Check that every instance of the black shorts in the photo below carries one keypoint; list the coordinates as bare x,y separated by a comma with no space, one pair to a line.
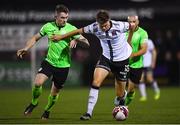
147,69
120,69
59,75
135,74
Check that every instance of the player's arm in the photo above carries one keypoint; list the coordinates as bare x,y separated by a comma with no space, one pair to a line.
72,33
154,56
142,50
132,27
81,39
29,44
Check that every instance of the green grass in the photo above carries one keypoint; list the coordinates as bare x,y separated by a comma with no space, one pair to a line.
72,103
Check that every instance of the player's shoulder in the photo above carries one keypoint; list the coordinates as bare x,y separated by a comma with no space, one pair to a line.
150,41
142,29
69,25
119,24
115,22
49,24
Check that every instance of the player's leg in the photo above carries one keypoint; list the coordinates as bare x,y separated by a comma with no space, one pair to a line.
59,78
154,84
52,99
134,79
99,75
36,92
120,87
120,70
142,88
130,92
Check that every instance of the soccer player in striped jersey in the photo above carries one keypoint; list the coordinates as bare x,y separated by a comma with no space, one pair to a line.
139,47
115,55
57,60
149,63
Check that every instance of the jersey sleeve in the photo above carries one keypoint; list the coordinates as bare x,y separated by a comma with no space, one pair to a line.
150,44
43,30
90,28
123,26
144,37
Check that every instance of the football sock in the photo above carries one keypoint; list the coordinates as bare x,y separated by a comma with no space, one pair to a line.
36,92
155,87
129,98
93,96
142,89
51,102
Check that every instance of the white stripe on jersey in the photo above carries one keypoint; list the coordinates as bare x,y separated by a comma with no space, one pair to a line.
114,42
147,57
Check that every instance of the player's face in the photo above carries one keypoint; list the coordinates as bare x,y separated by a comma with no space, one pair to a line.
105,26
61,18
134,20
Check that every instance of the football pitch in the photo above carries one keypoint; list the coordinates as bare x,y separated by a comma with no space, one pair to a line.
72,104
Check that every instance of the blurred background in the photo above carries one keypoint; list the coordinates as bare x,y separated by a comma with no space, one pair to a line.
20,19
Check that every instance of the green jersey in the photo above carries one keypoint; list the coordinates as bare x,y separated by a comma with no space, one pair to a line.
58,52
139,37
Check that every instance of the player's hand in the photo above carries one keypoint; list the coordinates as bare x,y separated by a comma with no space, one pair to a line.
133,26
132,55
73,44
20,53
56,38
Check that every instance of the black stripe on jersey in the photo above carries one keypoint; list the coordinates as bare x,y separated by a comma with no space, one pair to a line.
124,26
110,47
111,50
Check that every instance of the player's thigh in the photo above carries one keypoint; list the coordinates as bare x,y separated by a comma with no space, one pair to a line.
135,75
99,75
142,77
59,77
40,79
44,72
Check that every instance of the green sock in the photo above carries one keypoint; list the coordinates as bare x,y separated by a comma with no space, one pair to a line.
51,102
129,98
36,92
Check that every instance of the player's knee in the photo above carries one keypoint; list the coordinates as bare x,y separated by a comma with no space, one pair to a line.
39,82
96,83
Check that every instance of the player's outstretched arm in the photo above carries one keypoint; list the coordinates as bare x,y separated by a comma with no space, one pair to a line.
132,27
30,43
82,39
60,37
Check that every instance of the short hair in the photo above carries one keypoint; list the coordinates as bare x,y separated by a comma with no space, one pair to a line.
102,16
135,16
61,8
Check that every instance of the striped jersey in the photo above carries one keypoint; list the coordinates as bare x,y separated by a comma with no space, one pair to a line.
113,42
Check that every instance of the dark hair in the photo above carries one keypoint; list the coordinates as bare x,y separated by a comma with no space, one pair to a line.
102,16
61,8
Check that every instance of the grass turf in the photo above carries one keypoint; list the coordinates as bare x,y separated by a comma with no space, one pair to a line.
72,104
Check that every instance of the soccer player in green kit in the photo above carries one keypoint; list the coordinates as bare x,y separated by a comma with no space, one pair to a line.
139,47
57,60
